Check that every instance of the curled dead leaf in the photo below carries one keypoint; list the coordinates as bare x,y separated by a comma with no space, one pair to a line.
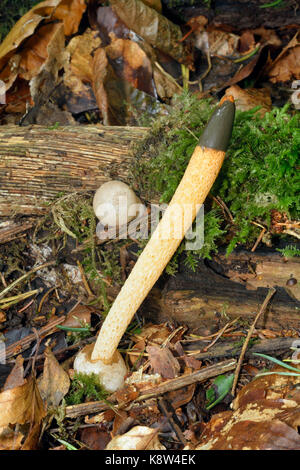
152,27
163,362
54,383
138,438
287,67
250,98
22,404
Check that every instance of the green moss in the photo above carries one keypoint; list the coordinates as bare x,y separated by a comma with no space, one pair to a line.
259,173
72,215
85,388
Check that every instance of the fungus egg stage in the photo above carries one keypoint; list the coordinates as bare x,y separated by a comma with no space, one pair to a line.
115,204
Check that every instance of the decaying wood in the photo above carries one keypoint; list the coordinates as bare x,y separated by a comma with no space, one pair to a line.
38,163
207,299
201,375
10,229
276,346
238,15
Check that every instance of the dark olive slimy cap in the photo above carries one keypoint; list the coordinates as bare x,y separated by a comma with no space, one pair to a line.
217,132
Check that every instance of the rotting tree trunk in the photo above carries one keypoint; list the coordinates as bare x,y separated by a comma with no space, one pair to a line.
38,163
207,299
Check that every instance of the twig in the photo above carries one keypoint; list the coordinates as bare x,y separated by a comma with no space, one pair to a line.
247,339
258,240
220,334
24,343
172,79
167,409
44,298
84,280
25,276
169,385
292,233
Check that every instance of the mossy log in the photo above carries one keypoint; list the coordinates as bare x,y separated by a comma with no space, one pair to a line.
37,163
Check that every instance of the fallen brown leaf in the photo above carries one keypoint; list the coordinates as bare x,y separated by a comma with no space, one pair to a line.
22,404
250,98
70,12
79,315
138,438
54,383
78,77
286,68
10,439
163,362
94,438
16,376
130,63
154,28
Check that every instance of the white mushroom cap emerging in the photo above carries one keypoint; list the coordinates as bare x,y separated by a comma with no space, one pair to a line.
115,204
111,376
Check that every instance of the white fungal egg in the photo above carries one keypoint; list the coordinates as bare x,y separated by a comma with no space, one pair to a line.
115,204
111,376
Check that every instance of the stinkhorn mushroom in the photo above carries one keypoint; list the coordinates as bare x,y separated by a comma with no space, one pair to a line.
200,174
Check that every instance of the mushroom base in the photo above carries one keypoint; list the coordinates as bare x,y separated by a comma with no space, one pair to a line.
111,375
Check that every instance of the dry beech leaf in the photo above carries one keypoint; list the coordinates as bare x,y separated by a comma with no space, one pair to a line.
54,383
152,27
247,42
106,21
218,43
155,333
2,316
245,71
114,95
101,76
10,439
250,98
70,12
163,362
265,416
16,376
78,76
181,397
287,67
267,36
24,28
80,314
131,63
165,86
28,61
156,4
94,438
138,438
36,52
22,404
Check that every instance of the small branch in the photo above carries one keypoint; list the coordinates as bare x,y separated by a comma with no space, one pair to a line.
174,384
250,332
25,276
